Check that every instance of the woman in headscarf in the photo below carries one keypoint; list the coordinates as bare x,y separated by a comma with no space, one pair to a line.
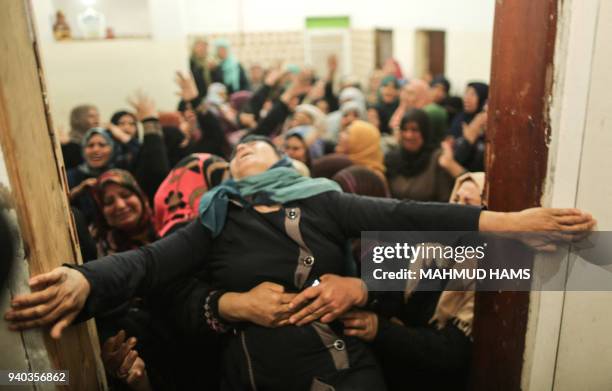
360,142
149,167
349,96
428,338
98,149
125,222
392,68
82,118
361,180
177,200
417,95
124,129
387,102
413,170
474,99
266,224
216,102
296,148
229,71
469,148
126,219
201,66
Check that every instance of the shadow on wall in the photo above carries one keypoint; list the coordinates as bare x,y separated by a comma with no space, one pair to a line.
7,244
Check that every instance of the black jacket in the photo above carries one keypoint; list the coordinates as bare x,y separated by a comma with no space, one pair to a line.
251,249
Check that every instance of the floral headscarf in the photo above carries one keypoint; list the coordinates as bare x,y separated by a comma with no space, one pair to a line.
113,239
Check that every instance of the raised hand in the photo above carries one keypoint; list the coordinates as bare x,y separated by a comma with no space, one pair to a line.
57,298
188,88
122,361
332,64
273,76
143,105
118,133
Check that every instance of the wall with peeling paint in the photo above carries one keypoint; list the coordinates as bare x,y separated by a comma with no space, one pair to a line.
569,342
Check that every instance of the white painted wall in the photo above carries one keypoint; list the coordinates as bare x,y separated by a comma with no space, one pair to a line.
568,345
106,72
122,66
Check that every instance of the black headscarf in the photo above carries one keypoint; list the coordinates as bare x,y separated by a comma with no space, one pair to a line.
482,90
441,80
409,164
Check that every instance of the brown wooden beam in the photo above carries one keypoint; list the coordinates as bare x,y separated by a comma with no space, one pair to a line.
517,135
38,187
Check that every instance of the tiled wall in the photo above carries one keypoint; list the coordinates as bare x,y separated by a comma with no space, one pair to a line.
363,54
264,48
269,48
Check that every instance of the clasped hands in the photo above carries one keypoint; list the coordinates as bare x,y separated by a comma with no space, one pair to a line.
269,305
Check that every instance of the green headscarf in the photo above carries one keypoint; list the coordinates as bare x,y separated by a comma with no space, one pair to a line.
280,184
230,66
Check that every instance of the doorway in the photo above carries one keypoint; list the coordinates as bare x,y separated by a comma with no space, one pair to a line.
430,53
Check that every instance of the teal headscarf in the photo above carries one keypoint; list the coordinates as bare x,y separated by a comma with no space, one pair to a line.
230,66
280,184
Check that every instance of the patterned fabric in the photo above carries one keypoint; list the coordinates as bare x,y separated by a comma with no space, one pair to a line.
114,239
178,197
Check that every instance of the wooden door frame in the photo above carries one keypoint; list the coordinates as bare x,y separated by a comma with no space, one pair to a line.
517,154
38,195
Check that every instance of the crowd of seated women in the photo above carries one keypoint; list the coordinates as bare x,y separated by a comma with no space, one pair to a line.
140,176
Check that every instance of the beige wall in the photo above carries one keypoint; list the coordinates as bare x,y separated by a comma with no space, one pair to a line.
105,73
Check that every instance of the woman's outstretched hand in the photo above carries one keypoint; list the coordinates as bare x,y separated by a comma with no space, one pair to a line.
538,219
541,228
57,298
328,300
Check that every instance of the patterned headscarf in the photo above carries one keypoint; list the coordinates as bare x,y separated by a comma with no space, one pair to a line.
178,197
113,239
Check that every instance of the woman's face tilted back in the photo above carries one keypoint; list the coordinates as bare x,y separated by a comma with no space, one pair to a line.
97,151
121,207
252,158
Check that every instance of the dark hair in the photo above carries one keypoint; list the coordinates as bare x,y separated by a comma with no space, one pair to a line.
482,90
117,116
255,137
299,136
421,119
441,80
